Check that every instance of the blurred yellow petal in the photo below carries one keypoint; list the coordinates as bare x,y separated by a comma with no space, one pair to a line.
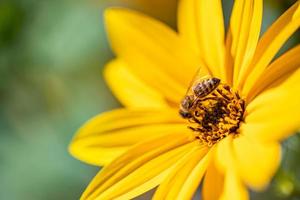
184,180
213,183
269,45
107,135
152,50
257,162
234,189
187,24
273,115
164,10
224,156
140,169
280,68
201,25
242,153
245,24
129,89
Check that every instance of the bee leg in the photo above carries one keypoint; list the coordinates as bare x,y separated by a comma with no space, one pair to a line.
212,98
223,95
193,129
196,120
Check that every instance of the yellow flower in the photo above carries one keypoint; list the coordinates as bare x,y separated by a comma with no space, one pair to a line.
147,144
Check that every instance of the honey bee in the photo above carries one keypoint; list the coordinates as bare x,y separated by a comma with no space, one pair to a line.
198,91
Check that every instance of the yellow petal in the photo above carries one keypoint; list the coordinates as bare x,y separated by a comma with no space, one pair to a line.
269,45
107,135
224,156
213,183
201,25
245,24
140,169
234,189
187,24
284,65
153,51
273,115
129,89
229,63
184,180
257,162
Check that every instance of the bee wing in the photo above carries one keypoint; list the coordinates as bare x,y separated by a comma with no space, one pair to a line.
198,77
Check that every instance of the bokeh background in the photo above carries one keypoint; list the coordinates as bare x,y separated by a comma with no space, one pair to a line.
52,53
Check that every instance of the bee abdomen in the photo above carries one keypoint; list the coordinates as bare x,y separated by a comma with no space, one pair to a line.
205,87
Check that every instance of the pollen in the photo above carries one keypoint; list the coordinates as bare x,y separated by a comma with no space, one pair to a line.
215,115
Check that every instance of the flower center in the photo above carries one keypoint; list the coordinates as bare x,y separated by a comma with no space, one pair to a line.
213,109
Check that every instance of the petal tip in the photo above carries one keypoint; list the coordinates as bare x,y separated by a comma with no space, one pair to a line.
72,149
111,13
118,13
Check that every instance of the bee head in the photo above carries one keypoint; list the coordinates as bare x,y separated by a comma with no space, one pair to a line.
215,81
185,114
187,102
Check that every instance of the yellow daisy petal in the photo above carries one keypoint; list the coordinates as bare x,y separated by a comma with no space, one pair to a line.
156,54
201,25
244,28
213,183
272,115
264,156
223,155
269,45
107,135
129,89
278,70
187,24
139,169
184,180
234,189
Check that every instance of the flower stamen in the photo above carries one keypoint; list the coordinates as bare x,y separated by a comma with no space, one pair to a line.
214,114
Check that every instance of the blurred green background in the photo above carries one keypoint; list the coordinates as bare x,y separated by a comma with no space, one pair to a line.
51,57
